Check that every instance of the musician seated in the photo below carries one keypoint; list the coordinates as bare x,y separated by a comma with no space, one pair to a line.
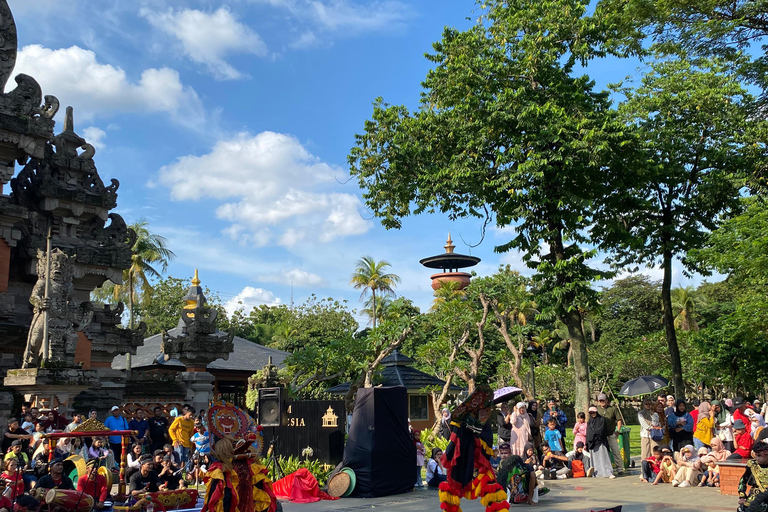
171,475
94,484
146,479
55,479
40,462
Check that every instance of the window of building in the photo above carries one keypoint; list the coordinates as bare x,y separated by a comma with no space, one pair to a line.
418,407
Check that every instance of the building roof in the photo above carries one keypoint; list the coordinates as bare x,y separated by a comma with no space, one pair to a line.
397,371
247,356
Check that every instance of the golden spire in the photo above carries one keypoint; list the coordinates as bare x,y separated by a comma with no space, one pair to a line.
449,247
195,280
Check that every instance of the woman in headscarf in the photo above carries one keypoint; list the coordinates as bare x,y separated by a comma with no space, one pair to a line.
758,423
520,433
597,444
533,411
645,418
718,450
724,424
688,463
705,426
659,422
680,426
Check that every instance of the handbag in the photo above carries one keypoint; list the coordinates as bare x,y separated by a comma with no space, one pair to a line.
657,434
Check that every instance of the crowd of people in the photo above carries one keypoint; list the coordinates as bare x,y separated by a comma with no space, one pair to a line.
166,452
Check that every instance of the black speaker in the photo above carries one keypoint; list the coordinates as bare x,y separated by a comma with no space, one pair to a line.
271,413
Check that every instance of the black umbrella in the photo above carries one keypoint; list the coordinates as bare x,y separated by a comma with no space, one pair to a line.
643,385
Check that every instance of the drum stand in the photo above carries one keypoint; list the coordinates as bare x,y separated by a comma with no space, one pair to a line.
272,455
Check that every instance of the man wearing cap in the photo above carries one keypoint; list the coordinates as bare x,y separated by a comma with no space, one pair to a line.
145,480
56,479
116,422
742,441
560,419
755,476
93,484
612,423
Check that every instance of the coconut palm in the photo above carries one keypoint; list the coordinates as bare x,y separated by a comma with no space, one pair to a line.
447,291
685,301
370,275
542,340
382,305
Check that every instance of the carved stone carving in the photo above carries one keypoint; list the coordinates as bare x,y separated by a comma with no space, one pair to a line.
65,317
108,337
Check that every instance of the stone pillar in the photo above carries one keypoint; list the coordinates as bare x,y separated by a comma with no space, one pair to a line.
199,389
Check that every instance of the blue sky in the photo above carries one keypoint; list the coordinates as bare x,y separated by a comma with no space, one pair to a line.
228,126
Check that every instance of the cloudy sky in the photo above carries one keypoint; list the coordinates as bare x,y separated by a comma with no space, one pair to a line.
228,126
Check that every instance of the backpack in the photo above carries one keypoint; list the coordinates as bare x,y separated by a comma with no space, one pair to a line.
577,468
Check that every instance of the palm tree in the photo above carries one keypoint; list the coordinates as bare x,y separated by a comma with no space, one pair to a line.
684,304
382,305
370,275
542,340
448,291
150,249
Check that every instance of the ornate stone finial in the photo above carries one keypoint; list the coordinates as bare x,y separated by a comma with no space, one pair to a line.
449,247
69,120
195,280
8,44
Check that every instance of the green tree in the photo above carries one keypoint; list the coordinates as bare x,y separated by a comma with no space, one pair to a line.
688,120
630,309
685,304
507,128
161,306
370,275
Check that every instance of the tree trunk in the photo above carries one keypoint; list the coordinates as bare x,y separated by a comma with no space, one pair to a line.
130,319
373,299
669,327
438,400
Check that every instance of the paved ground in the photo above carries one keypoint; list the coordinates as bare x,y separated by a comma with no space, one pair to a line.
579,495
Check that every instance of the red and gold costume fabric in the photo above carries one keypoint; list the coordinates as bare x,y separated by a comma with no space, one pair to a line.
221,490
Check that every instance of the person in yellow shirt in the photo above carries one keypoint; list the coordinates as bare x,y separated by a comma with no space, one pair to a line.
181,431
705,426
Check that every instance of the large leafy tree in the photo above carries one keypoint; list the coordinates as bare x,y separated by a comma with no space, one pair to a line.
508,129
372,276
688,118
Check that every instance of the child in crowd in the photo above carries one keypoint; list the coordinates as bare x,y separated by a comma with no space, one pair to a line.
711,476
29,424
552,436
532,458
580,430
668,468
420,452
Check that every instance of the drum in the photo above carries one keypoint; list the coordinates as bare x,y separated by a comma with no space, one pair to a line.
62,500
74,468
179,498
107,474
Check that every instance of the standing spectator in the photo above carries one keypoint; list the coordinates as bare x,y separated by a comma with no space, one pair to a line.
597,444
93,484
503,418
56,479
116,422
661,399
445,424
660,432
742,440
645,417
520,434
558,415
77,418
536,418
612,423
181,431
580,430
420,452
740,406
705,426
13,433
140,425
680,427
158,430
670,405
552,436
723,424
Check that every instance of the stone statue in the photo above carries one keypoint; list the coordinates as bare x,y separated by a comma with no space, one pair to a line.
65,317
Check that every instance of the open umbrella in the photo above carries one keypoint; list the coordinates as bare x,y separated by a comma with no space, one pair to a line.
504,394
643,385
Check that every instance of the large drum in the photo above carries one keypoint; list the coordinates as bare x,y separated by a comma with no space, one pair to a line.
74,468
61,500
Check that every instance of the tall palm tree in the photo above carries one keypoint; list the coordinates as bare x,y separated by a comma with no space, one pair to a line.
371,275
382,305
447,291
684,304
149,251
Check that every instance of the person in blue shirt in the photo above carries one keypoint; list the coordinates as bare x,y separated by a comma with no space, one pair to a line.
559,417
116,422
552,436
680,423
140,425
201,440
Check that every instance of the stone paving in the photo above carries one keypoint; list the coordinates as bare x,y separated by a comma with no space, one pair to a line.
579,495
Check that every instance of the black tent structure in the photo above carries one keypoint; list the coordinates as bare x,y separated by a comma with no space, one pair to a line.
379,449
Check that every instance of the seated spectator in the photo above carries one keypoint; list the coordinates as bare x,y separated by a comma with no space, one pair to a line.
168,449
77,419
435,470
170,474
711,476
554,464
94,484
14,479
145,479
37,438
742,440
651,467
98,451
56,479
28,425
688,467
532,459
757,421
505,450
755,477
55,422
22,463
134,460
40,461
718,451
579,461
13,433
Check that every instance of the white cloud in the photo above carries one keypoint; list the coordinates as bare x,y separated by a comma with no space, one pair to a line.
76,77
249,298
296,277
94,136
279,191
207,38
